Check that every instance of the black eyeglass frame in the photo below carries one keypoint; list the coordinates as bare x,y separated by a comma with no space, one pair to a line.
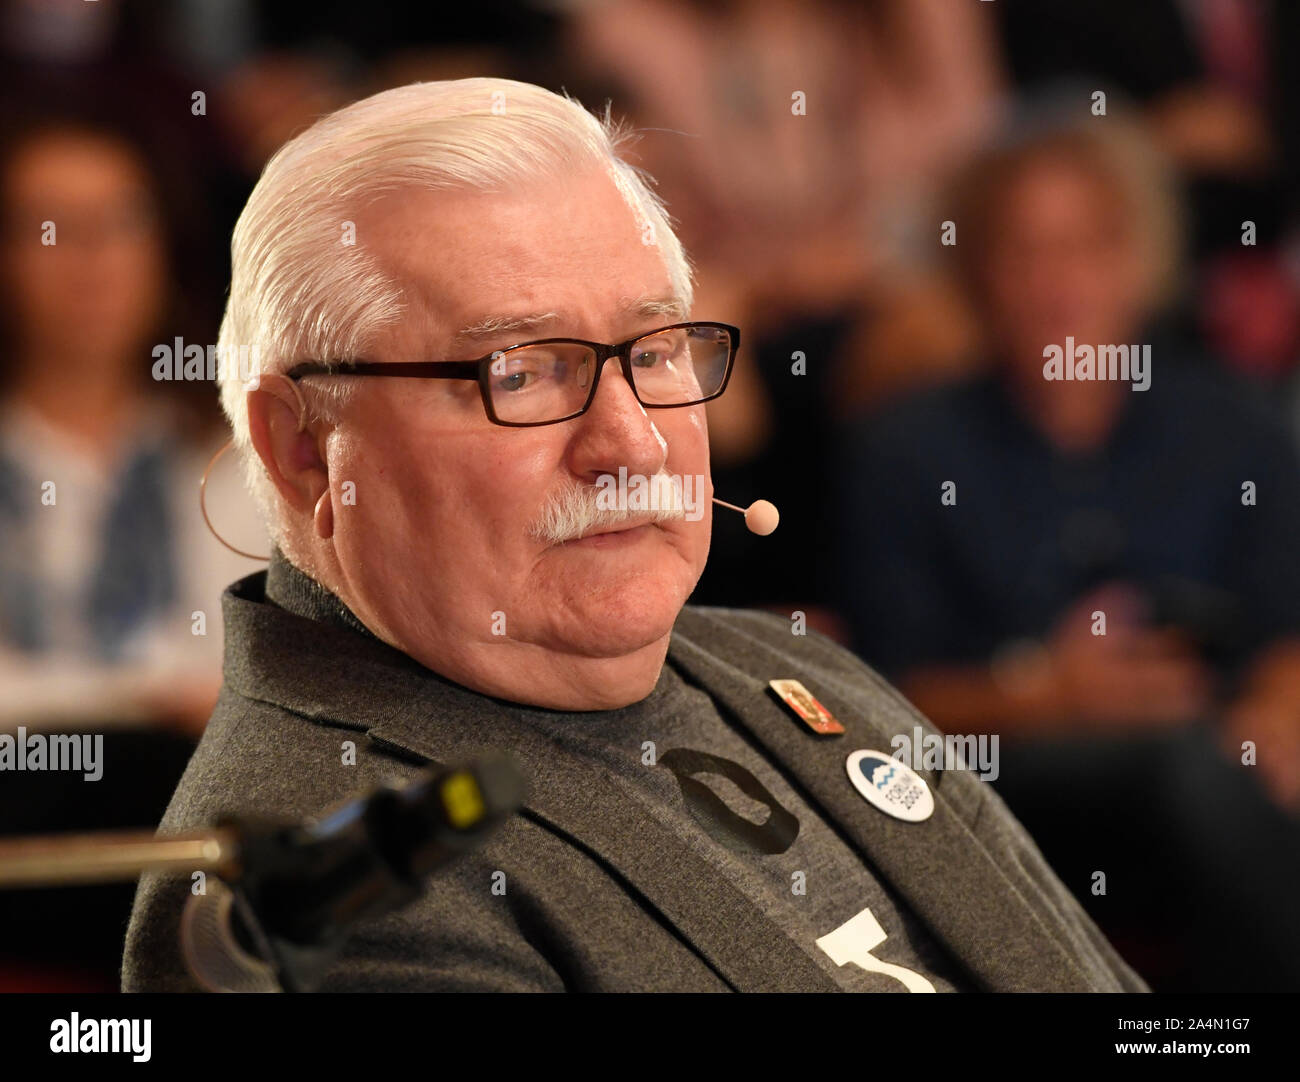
480,370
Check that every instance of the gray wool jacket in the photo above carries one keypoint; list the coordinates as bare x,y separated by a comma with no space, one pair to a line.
602,897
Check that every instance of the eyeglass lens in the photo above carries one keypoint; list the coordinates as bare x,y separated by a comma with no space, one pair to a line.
550,382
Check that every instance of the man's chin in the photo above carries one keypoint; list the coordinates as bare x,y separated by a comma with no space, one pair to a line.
596,627
612,604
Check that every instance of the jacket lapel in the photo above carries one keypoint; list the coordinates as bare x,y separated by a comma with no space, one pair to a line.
332,675
939,866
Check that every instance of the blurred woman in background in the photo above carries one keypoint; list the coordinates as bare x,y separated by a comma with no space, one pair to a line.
104,561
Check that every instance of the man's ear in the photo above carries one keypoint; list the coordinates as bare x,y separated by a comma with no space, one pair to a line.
277,422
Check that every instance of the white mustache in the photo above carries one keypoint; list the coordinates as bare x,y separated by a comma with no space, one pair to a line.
572,511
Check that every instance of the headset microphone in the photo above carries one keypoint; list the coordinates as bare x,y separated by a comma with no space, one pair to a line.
761,517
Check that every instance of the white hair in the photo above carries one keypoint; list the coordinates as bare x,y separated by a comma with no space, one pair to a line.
297,292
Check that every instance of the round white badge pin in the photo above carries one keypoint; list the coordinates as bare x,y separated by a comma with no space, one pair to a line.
890,785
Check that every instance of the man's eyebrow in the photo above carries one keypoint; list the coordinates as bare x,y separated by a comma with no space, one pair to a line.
496,326
672,307
532,324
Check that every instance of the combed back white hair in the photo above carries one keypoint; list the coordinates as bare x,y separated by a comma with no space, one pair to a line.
297,292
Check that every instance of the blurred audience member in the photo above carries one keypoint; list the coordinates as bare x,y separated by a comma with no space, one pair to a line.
104,559
1103,574
1218,82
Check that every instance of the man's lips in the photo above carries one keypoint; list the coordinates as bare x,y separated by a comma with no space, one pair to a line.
610,535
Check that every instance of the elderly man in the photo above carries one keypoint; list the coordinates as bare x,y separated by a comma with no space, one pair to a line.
471,315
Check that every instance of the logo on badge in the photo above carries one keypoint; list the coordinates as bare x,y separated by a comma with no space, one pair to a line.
803,705
892,786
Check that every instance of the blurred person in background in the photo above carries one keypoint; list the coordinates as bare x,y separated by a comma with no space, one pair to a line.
1121,751
1217,83
101,569
104,559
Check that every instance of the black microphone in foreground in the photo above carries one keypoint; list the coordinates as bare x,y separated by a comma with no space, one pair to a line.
299,890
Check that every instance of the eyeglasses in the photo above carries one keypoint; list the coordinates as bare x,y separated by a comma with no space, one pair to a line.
555,379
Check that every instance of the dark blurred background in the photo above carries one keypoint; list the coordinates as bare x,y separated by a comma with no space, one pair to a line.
965,184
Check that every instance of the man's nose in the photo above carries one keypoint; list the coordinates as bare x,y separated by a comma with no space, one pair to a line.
617,431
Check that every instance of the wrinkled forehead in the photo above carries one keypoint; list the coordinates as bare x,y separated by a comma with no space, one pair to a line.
573,249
